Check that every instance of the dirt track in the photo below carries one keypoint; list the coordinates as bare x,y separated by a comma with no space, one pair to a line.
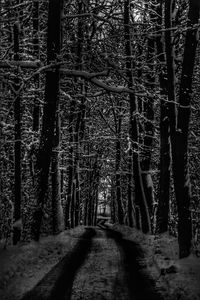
103,265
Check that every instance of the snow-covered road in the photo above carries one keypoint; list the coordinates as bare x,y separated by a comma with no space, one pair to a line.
102,275
103,265
114,262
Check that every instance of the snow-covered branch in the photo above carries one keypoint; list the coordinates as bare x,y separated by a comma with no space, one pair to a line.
92,77
22,64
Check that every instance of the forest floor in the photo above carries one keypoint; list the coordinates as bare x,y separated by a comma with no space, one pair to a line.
110,263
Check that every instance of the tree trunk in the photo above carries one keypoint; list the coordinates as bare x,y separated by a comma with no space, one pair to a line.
165,157
62,175
181,172
165,161
120,211
139,189
96,207
70,166
149,129
96,193
57,210
131,209
113,201
89,217
17,148
86,211
49,114
73,201
76,165
74,193
77,204
169,50
36,53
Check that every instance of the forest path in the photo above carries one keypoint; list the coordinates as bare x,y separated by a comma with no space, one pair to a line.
102,275
103,265
114,270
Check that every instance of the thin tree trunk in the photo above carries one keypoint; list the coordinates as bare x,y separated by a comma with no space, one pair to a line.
70,166
171,77
77,204
73,201
89,217
96,193
86,206
165,157
17,148
113,201
62,174
76,165
57,210
36,53
93,192
120,210
74,157
149,129
139,189
165,162
96,207
131,209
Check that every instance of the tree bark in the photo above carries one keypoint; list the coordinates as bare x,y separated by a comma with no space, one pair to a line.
120,212
113,201
17,147
49,114
181,172
131,209
70,166
149,128
57,210
165,157
118,124
139,189
36,53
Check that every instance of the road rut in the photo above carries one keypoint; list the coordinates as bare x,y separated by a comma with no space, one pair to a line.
103,265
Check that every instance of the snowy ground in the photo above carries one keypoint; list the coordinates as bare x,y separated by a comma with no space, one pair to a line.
22,266
101,277
175,278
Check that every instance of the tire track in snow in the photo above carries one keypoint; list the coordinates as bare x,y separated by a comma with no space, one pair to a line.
103,265
102,275
138,281
57,284
114,270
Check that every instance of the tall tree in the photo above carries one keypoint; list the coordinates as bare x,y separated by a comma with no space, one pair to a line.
17,116
70,164
139,189
181,172
57,210
79,120
165,158
148,112
36,53
118,125
130,192
51,101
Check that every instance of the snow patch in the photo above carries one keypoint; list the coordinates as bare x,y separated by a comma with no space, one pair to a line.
175,278
24,265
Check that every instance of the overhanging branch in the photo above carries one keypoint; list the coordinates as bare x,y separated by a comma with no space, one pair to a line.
7,64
